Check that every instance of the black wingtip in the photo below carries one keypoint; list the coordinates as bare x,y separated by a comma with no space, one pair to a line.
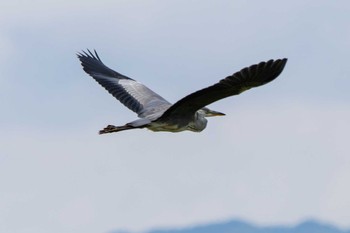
88,54
281,63
276,68
284,61
92,64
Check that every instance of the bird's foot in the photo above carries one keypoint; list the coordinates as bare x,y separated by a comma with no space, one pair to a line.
108,129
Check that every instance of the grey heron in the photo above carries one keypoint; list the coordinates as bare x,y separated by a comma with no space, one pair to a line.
189,113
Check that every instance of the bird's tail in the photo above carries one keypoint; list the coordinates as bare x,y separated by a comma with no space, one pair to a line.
113,129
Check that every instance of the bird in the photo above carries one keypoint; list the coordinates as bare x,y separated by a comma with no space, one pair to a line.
189,113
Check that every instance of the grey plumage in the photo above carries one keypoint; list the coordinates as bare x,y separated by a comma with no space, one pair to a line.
189,113
134,95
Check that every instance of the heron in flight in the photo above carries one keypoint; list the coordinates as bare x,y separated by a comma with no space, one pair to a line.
189,113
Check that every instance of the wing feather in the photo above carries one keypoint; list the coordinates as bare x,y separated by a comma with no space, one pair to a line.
134,95
247,78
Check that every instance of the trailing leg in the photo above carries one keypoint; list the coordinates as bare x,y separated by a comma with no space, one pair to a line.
113,129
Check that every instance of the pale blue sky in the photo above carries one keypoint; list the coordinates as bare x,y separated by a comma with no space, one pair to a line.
279,156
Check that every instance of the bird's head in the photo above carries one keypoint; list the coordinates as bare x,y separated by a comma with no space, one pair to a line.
210,113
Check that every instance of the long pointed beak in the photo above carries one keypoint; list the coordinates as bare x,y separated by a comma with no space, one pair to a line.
215,113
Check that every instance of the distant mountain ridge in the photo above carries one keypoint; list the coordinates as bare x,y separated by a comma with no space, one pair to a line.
236,226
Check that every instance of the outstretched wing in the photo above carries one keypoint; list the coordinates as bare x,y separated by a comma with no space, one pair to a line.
253,76
134,95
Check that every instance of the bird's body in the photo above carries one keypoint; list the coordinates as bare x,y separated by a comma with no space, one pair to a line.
196,123
189,113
